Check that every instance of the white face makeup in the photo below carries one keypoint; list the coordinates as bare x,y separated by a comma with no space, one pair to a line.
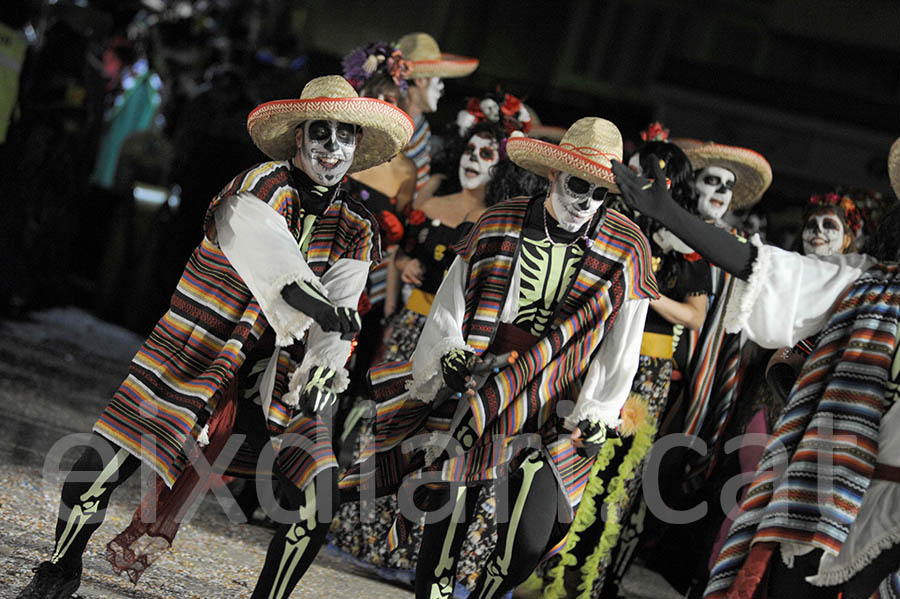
574,200
634,163
475,164
433,93
823,235
714,186
326,150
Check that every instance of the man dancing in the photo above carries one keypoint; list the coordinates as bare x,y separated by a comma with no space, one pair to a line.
260,317
564,282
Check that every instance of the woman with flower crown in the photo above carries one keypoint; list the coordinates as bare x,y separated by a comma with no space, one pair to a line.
485,176
684,282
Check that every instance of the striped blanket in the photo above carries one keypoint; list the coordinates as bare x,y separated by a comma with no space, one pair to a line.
521,398
818,464
713,378
191,356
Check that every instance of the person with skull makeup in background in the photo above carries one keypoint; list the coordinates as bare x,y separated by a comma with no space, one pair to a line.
830,227
724,177
565,283
255,341
486,176
428,66
819,519
610,517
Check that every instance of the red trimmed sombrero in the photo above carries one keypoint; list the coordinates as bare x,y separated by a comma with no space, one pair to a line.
585,151
425,58
386,128
752,172
894,167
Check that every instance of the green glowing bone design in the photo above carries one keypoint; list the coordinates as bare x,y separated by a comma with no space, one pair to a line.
89,505
295,543
498,567
442,587
545,272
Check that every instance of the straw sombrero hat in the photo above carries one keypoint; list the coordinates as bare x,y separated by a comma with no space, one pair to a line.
386,128
585,151
426,59
894,167
752,172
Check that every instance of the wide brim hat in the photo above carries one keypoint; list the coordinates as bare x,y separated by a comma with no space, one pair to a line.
425,58
386,129
585,151
894,167
752,172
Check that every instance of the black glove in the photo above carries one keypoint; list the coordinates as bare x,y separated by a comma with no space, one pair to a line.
593,436
307,299
317,394
717,245
456,366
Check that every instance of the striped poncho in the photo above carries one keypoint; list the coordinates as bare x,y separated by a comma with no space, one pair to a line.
817,466
523,397
190,358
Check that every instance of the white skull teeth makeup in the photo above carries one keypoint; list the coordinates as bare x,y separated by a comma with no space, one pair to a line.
575,201
823,235
433,93
714,186
475,164
327,150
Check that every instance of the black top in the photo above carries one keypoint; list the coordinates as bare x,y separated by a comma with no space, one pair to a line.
429,240
678,277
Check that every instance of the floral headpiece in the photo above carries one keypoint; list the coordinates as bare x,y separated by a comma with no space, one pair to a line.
655,132
375,57
505,109
843,202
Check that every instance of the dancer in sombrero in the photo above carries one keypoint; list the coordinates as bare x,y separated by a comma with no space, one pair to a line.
608,520
564,282
255,336
428,68
820,517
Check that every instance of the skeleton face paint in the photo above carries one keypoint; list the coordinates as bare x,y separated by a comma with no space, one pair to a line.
714,186
433,93
823,235
574,200
326,150
475,164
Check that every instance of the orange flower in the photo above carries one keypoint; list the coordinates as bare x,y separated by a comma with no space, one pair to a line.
634,414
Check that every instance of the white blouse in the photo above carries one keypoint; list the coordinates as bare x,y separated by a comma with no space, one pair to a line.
790,297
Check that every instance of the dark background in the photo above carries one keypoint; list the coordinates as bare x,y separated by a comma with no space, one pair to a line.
813,85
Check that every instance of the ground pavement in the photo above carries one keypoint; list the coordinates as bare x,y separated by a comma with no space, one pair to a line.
57,371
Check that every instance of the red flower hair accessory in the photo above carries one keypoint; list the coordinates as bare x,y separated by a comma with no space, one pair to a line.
505,109
655,132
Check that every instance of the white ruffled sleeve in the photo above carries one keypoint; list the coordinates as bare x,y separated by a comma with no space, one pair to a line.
788,296
344,282
442,332
613,366
258,244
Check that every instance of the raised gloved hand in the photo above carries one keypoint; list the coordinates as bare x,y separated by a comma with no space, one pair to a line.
647,197
317,394
652,198
456,366
309,300
589,436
